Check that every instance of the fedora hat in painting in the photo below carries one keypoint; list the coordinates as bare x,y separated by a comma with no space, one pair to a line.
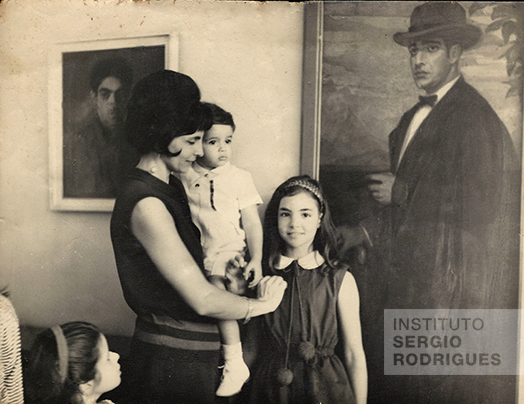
444,20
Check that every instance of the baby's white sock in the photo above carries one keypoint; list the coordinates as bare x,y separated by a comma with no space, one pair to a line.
233,352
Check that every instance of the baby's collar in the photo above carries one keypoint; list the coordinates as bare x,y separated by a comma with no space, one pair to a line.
311,261
218,170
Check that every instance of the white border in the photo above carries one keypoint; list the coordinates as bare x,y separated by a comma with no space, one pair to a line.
56,186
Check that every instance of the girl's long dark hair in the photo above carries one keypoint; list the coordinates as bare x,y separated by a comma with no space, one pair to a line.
325,241
42,381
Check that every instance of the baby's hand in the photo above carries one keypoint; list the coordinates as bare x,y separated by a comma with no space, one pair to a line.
253,271
235,275
235,264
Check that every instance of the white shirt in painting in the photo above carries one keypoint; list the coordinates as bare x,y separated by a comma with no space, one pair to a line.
422,114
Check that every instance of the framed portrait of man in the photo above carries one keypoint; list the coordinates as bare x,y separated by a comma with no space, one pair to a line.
89,86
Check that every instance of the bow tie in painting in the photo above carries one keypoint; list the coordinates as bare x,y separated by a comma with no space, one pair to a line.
430,100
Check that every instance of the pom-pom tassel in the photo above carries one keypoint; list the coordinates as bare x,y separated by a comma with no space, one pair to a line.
306,350
284,376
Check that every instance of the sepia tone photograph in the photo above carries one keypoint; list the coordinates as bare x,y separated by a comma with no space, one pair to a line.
261,202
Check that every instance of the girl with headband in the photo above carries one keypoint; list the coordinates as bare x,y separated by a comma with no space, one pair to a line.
299,361
70,364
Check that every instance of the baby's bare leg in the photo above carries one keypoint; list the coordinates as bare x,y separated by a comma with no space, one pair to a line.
229,331
235,371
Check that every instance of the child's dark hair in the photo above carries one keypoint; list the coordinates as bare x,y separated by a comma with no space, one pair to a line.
220,116
325,239
43,382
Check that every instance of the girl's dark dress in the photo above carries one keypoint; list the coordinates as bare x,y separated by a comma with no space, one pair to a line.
312,293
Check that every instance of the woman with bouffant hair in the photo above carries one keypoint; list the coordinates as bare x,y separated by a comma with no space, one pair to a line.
175,349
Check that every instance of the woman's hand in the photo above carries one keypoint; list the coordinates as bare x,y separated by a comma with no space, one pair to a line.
271,290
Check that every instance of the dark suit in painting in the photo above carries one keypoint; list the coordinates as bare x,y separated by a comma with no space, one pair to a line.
454,212
451,234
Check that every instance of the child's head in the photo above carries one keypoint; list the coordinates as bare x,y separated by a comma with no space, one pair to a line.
217,139
298,221
70,363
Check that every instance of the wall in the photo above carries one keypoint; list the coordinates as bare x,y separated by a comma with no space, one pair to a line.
244,56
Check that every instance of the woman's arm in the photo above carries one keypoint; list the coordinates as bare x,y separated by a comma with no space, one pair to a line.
153,226
253,228
349,320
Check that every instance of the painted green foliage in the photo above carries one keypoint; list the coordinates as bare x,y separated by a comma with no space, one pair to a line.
508,19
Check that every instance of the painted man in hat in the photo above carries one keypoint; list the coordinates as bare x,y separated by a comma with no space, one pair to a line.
450,200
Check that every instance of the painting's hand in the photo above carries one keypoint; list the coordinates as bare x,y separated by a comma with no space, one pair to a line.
253,271
271,290
380,187
351,236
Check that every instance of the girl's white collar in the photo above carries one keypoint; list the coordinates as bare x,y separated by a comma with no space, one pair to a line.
311,261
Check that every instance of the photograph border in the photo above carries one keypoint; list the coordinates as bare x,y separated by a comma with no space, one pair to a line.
312,89
55,113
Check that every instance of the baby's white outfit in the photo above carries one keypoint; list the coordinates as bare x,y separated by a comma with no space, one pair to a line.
216,198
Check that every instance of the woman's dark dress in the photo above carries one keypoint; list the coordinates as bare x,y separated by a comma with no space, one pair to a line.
324,378
174,352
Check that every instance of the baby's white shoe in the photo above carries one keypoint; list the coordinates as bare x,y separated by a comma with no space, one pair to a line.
234,376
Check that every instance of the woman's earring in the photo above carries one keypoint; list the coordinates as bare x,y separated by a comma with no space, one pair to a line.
153,169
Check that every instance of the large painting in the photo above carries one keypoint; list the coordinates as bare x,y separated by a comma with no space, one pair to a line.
448,236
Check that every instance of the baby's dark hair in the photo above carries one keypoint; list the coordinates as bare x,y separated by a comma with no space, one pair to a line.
43,382
220,116
325,239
